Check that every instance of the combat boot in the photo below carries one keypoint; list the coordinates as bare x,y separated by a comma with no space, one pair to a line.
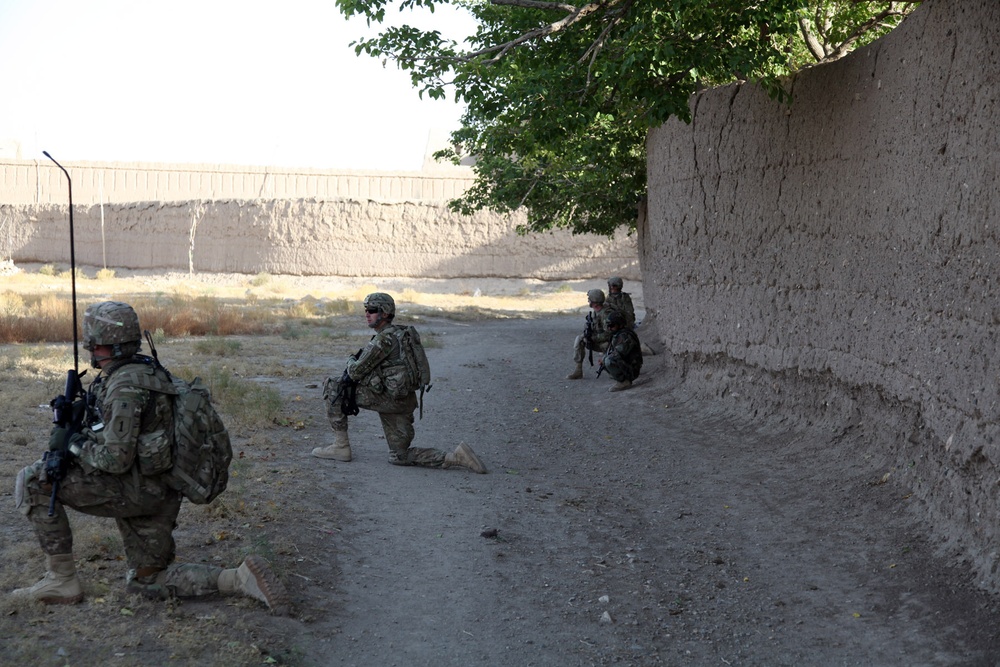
255,578
619,386
578,373
464,457
60,585
340,450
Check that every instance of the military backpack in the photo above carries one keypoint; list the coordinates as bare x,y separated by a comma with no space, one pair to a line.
418,369
202,451
195,461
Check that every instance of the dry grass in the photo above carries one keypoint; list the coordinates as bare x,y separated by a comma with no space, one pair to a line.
111,626
256,343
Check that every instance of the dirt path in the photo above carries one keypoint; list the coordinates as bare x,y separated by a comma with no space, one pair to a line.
628,531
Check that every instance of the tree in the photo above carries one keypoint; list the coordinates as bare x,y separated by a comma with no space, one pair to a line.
560,95
830,29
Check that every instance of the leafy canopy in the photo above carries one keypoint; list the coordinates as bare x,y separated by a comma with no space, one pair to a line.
559,95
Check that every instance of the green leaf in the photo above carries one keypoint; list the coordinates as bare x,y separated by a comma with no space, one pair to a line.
557,113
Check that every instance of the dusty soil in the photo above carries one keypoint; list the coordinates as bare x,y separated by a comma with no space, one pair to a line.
630,528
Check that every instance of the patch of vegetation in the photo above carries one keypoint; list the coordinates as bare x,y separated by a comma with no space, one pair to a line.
260,279
265,375
217,346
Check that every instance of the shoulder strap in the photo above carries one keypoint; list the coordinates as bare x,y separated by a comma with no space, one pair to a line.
146,376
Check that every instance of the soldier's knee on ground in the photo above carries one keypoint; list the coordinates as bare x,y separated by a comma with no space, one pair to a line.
398,457
147,582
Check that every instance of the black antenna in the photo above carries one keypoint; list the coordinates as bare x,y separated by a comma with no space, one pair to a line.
57,459
72,261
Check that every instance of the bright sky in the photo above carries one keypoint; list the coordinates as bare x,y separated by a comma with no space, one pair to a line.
259,82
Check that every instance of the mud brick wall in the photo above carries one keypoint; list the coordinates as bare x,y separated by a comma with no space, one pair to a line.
851,239
218,218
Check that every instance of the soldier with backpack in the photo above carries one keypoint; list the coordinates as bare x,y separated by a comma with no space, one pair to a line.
623,360
122,462
595,335
384,376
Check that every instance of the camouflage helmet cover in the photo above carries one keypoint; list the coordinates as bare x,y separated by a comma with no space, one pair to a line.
382,301
595,296
110,323
615,281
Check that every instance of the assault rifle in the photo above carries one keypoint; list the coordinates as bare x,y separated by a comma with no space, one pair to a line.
347,391
588,336
610,351
347,394
68,411
69,408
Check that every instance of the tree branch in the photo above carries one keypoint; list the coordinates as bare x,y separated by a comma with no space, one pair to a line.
815,48
598,43
842,49
573,15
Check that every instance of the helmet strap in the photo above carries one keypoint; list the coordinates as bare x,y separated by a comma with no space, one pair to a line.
95,361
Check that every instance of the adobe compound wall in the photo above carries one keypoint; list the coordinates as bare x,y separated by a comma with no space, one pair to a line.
837,261
283,221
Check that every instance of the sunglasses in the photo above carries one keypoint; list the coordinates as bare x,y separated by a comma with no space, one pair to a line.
371,311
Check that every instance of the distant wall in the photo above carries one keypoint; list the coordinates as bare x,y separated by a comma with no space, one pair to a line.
846,248
42,182
299,222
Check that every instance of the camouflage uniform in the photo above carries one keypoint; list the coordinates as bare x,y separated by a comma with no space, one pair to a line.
113,467
600,335
379,371
621,301
382,380
624,358
104,479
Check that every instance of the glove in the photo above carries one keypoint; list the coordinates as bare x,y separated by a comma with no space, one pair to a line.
57,439
79,411
77,443
60,405
56,463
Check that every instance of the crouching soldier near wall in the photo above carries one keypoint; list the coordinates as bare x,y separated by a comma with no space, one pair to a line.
595,334
380,378
623,360
104,477
621,301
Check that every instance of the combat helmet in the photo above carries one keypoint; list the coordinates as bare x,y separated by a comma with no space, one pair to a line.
595,296
616,319
112,323
383,302
615,281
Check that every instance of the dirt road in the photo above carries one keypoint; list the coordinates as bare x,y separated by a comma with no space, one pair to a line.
628,530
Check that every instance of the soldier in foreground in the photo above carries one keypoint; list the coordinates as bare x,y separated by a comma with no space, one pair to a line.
595,334
384,376
623,360
127,428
